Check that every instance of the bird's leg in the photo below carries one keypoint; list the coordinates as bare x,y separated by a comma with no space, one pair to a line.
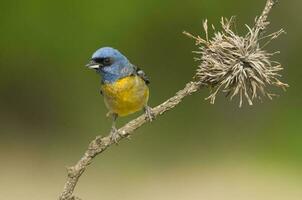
114,133
149,114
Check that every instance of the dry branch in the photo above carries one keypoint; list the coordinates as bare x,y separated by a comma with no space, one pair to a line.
100,144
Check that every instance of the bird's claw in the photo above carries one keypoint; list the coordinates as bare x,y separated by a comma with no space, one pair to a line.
114,135
149,114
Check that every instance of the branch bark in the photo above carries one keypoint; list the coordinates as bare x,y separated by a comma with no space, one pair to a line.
100,144
261,22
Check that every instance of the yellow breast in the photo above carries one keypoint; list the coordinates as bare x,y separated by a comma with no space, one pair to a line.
126,95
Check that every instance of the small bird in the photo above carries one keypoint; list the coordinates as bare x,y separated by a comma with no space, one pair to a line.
123,85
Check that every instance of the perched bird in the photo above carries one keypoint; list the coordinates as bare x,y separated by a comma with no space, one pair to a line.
123,85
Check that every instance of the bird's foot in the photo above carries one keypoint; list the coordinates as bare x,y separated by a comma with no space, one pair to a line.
114,135
149,113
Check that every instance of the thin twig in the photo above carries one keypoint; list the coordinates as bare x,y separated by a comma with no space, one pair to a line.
100,144
261,22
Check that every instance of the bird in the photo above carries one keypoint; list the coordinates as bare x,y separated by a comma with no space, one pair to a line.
123,86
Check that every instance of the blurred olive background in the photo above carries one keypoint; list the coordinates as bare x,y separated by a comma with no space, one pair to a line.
50,107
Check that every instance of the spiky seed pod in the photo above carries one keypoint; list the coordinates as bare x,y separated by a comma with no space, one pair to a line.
237,65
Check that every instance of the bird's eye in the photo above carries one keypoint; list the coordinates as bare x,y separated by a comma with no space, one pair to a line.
107,61
97,60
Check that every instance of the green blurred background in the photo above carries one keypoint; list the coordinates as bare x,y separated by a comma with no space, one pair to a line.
50,107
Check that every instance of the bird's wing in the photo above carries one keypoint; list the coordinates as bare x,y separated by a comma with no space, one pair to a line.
139,72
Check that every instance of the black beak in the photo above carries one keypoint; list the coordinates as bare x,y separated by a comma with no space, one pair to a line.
93,65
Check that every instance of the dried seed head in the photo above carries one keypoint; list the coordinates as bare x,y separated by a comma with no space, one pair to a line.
237,65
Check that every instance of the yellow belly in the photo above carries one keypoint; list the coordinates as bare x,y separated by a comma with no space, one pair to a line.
126,95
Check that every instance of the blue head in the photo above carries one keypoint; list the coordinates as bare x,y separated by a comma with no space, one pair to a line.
110,64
